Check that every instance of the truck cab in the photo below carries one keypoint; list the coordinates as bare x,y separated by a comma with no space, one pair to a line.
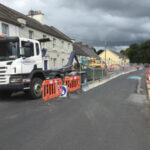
20,60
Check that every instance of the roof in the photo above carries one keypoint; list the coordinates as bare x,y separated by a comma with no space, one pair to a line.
82,50
78,49
9,15
119,54
116,53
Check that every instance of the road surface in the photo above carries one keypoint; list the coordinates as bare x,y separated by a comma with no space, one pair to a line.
110,117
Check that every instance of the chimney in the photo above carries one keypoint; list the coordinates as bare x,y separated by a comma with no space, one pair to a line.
37,15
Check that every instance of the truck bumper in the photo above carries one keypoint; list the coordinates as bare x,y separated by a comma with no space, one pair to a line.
12,87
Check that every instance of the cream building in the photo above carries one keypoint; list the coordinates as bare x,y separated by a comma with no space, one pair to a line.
113,57
13,23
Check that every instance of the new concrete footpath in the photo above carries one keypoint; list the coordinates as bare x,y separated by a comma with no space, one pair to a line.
93,84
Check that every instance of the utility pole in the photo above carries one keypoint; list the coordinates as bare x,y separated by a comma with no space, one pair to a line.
105,51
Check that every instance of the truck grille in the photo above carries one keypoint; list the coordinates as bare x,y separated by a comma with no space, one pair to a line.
3,78
3,70
3,67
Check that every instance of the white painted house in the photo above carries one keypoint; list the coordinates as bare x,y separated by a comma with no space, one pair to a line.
8,29
13,23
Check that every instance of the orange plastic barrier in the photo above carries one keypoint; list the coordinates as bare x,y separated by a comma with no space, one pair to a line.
51,89
73,83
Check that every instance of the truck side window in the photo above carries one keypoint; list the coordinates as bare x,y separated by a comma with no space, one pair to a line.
37,49
28,48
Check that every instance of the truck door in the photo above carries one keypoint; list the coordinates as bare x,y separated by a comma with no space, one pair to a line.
28,59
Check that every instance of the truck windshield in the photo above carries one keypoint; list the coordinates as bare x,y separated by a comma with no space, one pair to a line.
9,50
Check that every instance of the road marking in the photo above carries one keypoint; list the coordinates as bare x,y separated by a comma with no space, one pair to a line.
134,77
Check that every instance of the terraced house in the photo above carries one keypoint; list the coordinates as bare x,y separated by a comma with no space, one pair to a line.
113,57
13,23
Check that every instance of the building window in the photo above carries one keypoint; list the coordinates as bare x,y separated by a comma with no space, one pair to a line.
62,62
54,42
68,45
5,29
30,34
54,62
62,44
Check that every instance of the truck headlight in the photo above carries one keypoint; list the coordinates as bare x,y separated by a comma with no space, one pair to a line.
16,80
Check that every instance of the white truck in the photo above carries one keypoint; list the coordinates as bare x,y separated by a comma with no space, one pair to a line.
22,67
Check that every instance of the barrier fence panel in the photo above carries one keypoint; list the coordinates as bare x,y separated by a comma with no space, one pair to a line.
51,89
73,83
148,74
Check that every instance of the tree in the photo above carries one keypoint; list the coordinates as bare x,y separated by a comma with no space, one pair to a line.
138,53
99,51
123,52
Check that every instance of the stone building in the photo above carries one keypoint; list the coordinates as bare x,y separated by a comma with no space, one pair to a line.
13,23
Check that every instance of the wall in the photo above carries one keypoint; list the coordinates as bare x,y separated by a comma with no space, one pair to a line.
58,54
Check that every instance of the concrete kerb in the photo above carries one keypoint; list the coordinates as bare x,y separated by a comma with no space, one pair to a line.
100,82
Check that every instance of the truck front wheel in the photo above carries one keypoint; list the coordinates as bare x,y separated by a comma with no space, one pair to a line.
35,88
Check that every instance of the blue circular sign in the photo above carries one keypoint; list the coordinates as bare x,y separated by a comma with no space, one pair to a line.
64,91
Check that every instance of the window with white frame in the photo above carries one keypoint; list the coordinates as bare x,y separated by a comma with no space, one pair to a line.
62,44
68,45
44,44
63,62
5,29
30,34
54,42
54,62
44,36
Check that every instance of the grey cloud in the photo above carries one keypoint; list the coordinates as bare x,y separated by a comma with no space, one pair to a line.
94,21
130,8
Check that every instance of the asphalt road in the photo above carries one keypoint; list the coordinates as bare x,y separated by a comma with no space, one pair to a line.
110,117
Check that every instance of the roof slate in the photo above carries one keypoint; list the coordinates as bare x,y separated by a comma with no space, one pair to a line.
11,16
119,54
82,50
78,49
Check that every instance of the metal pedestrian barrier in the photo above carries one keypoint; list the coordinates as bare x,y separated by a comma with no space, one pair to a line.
51,89
132,68
73,83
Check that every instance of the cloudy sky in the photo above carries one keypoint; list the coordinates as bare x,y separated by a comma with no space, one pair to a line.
119,22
